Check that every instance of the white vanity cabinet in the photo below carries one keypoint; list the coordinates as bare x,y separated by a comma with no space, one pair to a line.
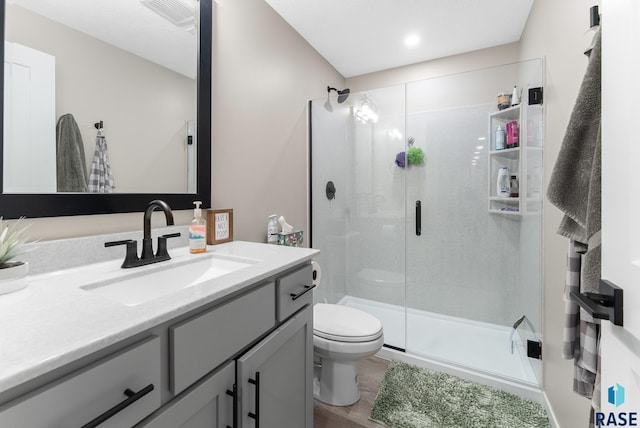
117,392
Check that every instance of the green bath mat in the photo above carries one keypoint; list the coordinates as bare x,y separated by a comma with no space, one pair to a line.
413,397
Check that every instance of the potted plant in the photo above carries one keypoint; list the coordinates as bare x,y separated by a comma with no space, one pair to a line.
12,272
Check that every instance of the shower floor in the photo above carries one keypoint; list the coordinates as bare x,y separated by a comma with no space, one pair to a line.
470,344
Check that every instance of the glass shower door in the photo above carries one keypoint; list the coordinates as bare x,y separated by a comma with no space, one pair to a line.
361,230
465,267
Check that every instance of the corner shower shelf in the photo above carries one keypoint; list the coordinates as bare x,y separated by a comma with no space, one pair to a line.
524,161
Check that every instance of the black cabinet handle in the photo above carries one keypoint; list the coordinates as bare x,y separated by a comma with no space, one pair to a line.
418,218
307,288
234,393
132,397
256,416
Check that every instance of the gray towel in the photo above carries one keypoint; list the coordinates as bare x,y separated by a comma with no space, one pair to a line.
71,165
575,181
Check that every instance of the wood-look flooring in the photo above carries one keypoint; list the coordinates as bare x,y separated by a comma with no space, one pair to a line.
370,373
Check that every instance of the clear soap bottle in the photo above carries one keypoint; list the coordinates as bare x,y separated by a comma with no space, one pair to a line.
197,231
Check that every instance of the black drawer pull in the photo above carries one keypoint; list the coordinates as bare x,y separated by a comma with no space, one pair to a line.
307,288
256,415
234,394
132,397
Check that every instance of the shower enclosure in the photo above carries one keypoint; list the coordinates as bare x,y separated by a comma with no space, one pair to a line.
451,269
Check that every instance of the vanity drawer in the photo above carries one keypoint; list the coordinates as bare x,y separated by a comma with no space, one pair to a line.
86,394
202,343
294,291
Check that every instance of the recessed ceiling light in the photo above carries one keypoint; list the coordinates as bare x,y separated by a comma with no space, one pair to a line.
411,40
482,138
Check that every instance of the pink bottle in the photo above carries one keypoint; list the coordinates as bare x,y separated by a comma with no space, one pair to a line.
512,134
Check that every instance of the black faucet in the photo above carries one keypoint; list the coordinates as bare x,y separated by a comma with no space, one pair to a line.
147,257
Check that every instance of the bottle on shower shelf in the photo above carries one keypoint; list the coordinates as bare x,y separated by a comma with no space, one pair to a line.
501,138
515,97
503,188
512,134
514,190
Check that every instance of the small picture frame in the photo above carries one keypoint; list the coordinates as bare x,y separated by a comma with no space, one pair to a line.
219,226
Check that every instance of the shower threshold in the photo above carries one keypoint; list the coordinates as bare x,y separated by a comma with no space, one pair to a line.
466,346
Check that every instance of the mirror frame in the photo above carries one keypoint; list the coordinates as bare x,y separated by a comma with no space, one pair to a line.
14,205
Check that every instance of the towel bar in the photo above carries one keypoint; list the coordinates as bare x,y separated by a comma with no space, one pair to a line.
605,306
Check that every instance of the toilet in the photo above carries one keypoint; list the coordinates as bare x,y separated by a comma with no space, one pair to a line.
341,336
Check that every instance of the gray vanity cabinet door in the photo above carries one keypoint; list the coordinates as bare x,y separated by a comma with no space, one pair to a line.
205,405
275,377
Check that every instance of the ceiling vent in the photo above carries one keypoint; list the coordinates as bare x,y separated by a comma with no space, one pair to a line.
178,12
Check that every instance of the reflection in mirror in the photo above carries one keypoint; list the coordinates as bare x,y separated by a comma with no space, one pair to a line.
105,73
72,64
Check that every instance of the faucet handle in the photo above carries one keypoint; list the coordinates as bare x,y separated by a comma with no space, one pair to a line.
162,245
132,251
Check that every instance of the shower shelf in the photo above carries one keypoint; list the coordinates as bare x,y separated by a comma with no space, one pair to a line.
524,161
508,153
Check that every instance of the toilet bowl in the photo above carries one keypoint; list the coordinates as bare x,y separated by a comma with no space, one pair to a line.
341,336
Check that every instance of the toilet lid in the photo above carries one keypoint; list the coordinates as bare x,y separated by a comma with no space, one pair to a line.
345,324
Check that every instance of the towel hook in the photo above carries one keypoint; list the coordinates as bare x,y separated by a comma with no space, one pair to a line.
98,125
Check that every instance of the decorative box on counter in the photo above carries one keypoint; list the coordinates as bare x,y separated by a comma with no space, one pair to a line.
293,239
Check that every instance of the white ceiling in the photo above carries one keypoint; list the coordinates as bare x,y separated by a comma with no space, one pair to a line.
128,25
363,36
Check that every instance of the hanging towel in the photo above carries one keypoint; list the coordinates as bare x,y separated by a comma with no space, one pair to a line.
101,179
71,168
581,334
575,188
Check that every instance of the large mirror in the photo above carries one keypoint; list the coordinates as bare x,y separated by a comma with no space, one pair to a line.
107,105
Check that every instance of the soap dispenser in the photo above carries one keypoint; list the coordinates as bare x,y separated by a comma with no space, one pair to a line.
197,231
272,229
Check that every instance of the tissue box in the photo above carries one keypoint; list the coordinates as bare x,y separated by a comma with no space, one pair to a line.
293,239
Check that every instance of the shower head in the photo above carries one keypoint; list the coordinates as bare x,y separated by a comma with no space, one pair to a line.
342,96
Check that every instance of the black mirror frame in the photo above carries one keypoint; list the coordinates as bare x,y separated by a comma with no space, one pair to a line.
14,205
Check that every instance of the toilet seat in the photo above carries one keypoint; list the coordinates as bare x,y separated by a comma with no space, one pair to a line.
344,324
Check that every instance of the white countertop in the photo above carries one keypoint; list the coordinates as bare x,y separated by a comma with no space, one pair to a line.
54,322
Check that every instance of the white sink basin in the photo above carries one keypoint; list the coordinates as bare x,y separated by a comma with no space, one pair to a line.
157,280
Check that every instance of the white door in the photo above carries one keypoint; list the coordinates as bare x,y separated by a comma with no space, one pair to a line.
29,121
620,346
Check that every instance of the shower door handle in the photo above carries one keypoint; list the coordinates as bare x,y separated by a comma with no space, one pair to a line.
418,218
